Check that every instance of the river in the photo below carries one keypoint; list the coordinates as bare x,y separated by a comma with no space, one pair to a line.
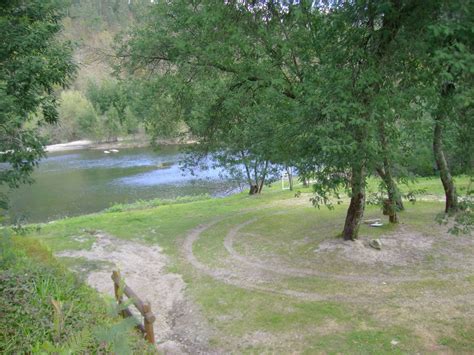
85,181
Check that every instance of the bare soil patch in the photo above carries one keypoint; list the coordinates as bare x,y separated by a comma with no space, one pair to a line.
401,248
179,326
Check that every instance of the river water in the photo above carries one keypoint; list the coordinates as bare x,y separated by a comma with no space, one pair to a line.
85,181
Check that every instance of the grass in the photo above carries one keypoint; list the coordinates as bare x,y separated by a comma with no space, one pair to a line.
390,317
146,204
430,185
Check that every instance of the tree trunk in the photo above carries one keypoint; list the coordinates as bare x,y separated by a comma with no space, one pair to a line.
290,177
394,193
263,176
394,201
445,174
253,190
357,205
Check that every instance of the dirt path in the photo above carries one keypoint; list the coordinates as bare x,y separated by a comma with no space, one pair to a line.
179,328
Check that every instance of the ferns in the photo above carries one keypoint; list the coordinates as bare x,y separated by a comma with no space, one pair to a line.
77,343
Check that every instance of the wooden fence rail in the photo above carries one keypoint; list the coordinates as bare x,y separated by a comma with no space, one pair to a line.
120,289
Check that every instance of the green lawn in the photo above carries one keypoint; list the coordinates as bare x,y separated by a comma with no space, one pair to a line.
287,284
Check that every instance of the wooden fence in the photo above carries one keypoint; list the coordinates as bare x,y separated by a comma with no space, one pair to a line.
120,289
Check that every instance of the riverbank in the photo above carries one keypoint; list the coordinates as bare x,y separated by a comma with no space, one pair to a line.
140,141
75,145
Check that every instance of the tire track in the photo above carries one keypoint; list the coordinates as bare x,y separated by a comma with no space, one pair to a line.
244,275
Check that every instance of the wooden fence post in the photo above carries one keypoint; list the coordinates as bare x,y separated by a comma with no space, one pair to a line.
120,288
149,318
117,289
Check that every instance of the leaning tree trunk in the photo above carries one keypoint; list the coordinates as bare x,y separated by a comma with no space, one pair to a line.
394,202
357,205
445,174
262,178
290,177
253,188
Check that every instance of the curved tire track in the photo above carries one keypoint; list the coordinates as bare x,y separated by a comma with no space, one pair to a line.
232,277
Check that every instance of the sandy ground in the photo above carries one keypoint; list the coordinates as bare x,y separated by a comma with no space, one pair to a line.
179,328
122,143
76,145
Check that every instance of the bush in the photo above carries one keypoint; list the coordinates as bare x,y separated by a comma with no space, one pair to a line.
45,308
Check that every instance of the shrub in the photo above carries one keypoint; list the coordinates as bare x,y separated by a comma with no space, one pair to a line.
45,308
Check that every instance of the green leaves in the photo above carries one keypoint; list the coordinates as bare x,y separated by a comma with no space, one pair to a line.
322,88
33,62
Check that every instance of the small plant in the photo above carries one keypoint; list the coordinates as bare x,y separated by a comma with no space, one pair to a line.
59,318
412,194
116,335
464,218
78,343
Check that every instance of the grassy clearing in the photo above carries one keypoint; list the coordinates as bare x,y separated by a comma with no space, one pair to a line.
428,314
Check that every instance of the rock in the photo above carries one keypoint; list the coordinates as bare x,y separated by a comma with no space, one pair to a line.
376,244
376,224
370,221
394,342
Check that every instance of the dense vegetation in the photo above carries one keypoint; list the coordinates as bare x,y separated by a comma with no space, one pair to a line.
46,309
95,106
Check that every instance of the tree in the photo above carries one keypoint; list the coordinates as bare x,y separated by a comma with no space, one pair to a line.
33,63
451,62
234,120
115,106
331,84
77,119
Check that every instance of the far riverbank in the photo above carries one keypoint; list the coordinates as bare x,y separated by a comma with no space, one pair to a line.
122,143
